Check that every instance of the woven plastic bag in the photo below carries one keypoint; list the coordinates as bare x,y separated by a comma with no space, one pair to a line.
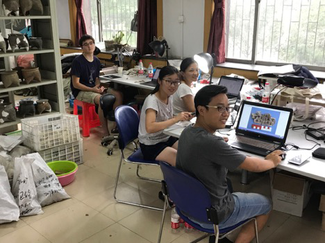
9,210
23,188
48,187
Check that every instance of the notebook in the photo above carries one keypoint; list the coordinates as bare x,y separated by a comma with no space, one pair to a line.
261,128
233,85
154,79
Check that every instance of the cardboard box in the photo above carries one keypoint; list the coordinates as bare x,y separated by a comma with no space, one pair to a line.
290,194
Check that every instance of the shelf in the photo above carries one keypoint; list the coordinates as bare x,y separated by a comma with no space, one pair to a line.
24,17
13,123
24,52
25,86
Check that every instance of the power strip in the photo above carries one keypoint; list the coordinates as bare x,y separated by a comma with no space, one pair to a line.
316,134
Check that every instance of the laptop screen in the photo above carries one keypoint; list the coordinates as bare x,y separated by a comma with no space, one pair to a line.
264,121
233,85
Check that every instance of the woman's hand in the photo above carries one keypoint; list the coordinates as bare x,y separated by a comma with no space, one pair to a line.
184,116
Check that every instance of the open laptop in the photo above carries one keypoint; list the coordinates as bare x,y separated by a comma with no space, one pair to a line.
234,86
154,79
261,128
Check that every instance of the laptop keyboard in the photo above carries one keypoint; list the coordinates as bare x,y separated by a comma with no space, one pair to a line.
255,143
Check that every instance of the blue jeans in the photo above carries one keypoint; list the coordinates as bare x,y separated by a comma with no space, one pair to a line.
247,205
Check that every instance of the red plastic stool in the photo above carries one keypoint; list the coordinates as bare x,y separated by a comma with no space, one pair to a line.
89,117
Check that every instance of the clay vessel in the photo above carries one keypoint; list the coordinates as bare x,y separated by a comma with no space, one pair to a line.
35,43
12,7
43,105
27,5
7,112
3,44
23,44
10,79
26,107
31,74
13,41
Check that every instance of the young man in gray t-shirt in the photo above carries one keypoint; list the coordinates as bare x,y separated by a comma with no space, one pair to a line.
208,158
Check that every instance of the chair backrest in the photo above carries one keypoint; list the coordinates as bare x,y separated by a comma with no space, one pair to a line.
189,194
106,103
127,120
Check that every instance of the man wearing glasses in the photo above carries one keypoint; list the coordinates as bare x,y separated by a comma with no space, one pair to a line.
85,83
211,166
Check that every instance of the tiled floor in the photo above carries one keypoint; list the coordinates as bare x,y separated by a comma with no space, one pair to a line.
92,215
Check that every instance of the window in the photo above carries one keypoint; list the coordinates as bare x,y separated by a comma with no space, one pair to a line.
104,18
286,31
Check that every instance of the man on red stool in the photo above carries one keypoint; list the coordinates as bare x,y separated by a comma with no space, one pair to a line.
85,84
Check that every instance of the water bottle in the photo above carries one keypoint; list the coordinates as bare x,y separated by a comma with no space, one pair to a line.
266,93
150,70
140,67
174,219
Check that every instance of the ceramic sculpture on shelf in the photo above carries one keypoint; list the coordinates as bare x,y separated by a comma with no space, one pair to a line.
7,112
11,7
43,105
35,42
3,44
27,5
26,107
31,74
22,43
10,79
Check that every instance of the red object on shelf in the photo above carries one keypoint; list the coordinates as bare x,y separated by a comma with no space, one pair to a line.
89,117
204,81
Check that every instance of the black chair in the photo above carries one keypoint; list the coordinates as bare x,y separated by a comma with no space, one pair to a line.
192,200
106,103
127,120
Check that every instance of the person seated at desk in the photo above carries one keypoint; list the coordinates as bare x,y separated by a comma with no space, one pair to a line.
85,84
211,166
156,115
183,98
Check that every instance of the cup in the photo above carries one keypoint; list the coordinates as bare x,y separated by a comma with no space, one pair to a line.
120,71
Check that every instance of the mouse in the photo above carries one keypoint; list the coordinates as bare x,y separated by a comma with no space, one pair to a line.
283,156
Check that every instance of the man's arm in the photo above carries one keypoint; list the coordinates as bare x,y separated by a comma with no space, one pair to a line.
255,164
76,84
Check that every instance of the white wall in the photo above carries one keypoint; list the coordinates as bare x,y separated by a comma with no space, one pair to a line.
63,19
183,22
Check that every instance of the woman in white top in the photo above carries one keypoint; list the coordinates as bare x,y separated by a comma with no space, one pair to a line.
183,98
156,115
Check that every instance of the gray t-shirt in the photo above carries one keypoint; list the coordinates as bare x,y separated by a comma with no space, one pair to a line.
208,158
164,112
178,103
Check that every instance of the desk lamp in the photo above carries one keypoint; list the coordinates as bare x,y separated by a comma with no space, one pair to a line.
205,62
159,48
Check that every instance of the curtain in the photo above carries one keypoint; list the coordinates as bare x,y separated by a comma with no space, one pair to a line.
217,43
80,21
147,25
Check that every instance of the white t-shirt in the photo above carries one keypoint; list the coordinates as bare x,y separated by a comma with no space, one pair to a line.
179,105
164,112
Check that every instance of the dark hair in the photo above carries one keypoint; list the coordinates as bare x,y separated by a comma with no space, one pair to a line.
84,38
165,71
205,95
186,63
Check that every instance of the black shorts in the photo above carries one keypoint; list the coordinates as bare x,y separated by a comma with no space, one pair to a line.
150,152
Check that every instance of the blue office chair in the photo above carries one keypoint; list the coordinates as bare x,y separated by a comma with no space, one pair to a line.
127,120
192,199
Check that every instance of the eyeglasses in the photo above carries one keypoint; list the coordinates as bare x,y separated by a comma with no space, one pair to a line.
221,109
171,82
88,44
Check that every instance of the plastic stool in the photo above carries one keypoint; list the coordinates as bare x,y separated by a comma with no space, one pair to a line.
89,117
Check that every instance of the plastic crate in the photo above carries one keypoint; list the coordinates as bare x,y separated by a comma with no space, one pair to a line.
72,152
49,131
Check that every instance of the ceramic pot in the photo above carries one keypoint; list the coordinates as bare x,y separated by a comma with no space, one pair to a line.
10,79
27,5
13,41
11,7
7,112
31,74
43,105
26,107
22,43
35,43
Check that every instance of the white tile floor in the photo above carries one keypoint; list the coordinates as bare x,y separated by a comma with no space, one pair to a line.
92,215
